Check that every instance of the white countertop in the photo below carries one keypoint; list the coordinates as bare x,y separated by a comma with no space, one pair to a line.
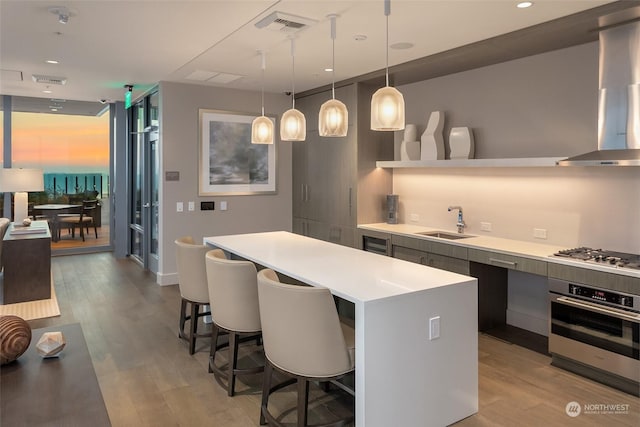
539,251
352,274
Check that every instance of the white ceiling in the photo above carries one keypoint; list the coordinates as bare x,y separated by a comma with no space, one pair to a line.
109,43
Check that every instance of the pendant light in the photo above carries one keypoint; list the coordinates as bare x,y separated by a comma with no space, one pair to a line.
293,125
387,104
333,119
262,127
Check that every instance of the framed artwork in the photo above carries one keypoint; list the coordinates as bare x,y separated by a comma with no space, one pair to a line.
229,163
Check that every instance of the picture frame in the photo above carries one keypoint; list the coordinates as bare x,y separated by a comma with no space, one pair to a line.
229,164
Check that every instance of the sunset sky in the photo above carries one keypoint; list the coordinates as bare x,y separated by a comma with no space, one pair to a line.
60,143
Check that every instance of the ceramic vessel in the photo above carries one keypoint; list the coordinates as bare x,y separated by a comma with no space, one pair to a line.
461,143
432,147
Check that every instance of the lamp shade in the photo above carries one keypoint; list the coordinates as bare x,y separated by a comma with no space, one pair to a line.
387,109
262,130
14,179
293,126
333,119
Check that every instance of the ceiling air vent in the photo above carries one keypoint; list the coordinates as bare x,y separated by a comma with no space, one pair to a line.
49,80
279,21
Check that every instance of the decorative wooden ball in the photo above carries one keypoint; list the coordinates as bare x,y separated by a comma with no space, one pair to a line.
15,337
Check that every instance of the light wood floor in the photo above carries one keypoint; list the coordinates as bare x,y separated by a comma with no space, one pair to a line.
147,377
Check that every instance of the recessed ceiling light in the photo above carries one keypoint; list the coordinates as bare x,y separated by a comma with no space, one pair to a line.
328,69
524,4
54,109
47,91
52,61
401,45
359,37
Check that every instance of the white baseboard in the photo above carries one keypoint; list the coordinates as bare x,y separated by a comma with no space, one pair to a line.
167,279
528,322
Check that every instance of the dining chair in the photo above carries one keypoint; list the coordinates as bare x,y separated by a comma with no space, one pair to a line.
192,282
233,293
303,338
82,220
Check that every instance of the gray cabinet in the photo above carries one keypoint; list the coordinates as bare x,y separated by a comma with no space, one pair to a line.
441,262
329,196
615,282
512,262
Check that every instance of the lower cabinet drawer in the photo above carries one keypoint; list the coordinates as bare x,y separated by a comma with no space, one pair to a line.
441,262
508,261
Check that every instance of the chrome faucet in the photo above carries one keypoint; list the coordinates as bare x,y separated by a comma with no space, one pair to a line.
461,225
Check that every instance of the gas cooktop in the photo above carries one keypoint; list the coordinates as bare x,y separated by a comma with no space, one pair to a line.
600,256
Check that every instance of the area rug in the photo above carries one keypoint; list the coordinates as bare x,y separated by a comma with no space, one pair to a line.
33,309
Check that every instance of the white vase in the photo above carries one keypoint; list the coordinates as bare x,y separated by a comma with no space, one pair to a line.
410,133
432,147
461,143
410,150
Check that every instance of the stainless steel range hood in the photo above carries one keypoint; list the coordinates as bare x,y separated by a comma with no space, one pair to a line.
619,100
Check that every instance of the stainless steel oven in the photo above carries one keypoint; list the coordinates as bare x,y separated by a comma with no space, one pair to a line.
596,332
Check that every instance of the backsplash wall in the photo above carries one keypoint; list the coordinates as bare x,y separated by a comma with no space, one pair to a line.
540,106
597,207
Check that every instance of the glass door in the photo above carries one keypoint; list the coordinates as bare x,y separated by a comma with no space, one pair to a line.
145,176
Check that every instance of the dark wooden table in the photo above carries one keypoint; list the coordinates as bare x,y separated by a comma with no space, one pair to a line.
52,210
59,391
27,263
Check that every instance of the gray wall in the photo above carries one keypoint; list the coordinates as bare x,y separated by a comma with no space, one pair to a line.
540,106
179,141
544,105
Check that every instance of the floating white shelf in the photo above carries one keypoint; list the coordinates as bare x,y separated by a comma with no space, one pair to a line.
472,163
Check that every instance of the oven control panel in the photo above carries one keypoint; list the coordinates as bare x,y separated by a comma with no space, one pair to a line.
601,295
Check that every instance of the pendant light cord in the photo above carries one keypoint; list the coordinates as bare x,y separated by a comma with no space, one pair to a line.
293,74
333,57
264,65
387,12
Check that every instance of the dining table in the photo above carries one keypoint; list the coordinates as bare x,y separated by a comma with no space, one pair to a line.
51,211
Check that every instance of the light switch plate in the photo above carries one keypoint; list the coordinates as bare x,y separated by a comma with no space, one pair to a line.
485,226
179,207
540,233
192,206
434,328
223,205
414,217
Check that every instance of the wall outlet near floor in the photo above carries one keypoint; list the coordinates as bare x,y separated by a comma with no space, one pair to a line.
414,217
540,233
434,328
179,207
485,226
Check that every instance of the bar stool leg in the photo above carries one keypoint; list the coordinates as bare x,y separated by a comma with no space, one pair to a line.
193,327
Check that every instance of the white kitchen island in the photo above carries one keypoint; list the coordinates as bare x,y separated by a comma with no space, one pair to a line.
402,377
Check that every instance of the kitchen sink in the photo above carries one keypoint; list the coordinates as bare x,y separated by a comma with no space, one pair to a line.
444,235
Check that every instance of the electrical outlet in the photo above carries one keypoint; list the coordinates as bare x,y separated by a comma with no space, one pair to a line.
434,328
179,207
540,233
485,226
191,206
414,217
223,205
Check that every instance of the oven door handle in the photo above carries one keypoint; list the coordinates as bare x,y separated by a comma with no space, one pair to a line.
619,314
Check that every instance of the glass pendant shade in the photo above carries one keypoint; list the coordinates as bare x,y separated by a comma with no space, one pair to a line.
333,119
387,109
293,126
262,130
387,104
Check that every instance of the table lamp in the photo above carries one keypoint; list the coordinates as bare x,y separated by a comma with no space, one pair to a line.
20,181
